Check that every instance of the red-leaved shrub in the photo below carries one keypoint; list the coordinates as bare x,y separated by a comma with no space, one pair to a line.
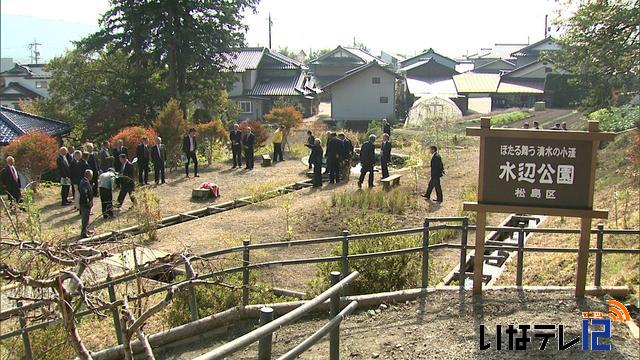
132,136
258,130
34,153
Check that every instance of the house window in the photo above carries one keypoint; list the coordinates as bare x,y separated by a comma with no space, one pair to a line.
41,84
375,80
384,99
245,107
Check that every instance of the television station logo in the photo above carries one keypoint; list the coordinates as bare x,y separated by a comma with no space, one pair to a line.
596,329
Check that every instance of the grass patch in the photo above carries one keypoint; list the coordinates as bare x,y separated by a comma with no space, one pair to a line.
506,118
396,201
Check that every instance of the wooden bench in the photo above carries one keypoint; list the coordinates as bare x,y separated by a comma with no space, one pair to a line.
201,194
391,181
266,160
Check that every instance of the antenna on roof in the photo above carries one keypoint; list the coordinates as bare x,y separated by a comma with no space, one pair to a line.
35,54
546,27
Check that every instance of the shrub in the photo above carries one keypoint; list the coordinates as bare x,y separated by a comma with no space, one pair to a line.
282,102
258,130
132,136
212,132
507,118
50,342
212,299
378,274
147,212
34,152
287,116
395,201
617,118
171,126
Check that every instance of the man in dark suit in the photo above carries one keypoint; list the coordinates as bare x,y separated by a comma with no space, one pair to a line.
70,150
189,147
86,201
345,157
248,144
104,157
10,180
367,160
93,165
63,168
143,154
385,155
316,160
333,153
235,137
158,156
437,170
311,140
386,127
125,180
117,151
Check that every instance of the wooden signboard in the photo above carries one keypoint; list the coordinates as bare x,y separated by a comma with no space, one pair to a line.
537,172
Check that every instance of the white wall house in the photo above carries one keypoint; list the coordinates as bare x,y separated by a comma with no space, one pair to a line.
23,82
363,94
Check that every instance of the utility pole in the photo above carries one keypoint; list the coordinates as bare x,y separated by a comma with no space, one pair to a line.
270,24
35,54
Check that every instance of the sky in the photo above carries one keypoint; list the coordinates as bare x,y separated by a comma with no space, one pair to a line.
451,27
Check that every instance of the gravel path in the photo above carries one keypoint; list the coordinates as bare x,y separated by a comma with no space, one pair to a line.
446,326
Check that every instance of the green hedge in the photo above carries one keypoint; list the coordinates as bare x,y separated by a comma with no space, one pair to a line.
617,118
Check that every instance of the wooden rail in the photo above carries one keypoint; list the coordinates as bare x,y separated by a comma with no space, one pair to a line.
344,258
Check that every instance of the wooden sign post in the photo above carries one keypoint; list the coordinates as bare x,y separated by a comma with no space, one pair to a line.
537,172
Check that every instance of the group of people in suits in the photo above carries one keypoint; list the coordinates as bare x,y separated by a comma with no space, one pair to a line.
242,142
338,154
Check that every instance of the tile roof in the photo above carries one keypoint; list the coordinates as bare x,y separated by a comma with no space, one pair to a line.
363,55
443,87
24,93
527,50
250,59
298,84
244,59
425,55
521,87
359,69
476,83
14,123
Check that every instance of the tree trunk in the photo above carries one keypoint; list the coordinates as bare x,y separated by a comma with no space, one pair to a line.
70,322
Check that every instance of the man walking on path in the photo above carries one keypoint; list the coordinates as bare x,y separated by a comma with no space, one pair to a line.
64,172
316,160
158,156
367,160
386,127
106,182
86,201
277,144
10,180
437,170
311,140
144,156
385,155
189,146
248,143
334,150
235,136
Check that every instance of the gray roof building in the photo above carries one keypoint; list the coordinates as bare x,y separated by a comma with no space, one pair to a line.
14,123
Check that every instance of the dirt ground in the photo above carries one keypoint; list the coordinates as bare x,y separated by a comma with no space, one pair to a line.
445,325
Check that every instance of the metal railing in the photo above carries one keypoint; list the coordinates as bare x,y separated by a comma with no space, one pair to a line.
264,333
344,259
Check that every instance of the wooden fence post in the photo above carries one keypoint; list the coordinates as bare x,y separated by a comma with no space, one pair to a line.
520,262
598,263
425,254
264,344
334,336
478,259
463,253
245,272
345,258
193,301
28,353
114,311
583,256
